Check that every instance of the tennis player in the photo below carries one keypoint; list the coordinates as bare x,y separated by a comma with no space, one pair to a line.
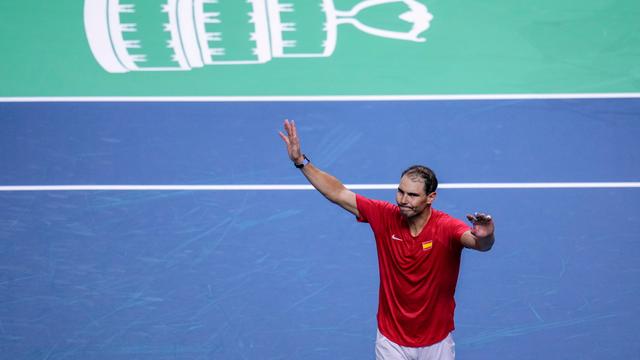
419,251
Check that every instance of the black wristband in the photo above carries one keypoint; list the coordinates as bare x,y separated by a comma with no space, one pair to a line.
300,166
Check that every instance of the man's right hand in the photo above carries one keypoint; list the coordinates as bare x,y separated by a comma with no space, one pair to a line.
292,141
327,184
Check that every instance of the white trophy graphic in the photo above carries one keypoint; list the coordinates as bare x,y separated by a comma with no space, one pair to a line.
169,35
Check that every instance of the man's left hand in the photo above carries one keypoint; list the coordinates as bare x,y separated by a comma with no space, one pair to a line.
482,225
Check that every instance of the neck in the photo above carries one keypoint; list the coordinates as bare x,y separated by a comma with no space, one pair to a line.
417,223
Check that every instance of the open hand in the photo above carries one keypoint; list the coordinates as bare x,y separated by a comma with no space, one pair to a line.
292,141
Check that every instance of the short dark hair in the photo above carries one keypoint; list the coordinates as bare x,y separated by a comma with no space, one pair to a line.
425,174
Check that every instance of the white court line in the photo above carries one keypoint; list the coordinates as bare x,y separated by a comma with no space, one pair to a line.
541,185
561,96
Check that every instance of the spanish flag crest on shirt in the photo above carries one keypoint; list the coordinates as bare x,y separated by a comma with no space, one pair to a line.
427,245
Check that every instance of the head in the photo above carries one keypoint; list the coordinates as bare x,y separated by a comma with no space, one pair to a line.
416,191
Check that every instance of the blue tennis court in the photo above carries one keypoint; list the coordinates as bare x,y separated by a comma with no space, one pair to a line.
283,274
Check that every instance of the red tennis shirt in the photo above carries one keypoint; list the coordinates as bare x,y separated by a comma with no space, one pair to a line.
418,274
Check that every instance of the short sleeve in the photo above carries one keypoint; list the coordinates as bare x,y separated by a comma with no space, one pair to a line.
457,228
371,211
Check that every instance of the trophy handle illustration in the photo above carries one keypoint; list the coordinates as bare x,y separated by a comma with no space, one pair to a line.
418,15
179,35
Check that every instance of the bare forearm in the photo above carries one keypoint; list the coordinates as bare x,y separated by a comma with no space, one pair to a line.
473,241
485,243
327,184
331,188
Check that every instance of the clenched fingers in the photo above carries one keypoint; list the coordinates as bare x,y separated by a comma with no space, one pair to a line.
479,218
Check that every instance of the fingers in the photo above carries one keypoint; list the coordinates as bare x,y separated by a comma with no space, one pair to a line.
290,138
482,224
284,138
479,218
290,128
291,132
294,130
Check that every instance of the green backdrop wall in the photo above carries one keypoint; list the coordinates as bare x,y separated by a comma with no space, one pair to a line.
471,47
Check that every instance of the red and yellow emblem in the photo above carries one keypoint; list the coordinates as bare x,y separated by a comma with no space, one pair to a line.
427,245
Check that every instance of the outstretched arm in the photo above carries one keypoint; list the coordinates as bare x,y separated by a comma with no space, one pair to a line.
481,237
325,183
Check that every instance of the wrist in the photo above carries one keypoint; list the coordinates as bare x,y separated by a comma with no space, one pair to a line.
300,162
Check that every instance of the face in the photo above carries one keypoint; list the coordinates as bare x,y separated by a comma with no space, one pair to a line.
411,197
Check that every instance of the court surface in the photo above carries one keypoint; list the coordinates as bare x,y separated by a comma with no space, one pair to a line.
283,274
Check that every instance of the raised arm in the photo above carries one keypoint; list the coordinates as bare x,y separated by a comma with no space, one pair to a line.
481,237
325,183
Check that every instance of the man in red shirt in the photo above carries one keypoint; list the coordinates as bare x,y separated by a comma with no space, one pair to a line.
419,252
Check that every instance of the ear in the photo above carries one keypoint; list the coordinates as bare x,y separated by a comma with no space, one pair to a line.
431,198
